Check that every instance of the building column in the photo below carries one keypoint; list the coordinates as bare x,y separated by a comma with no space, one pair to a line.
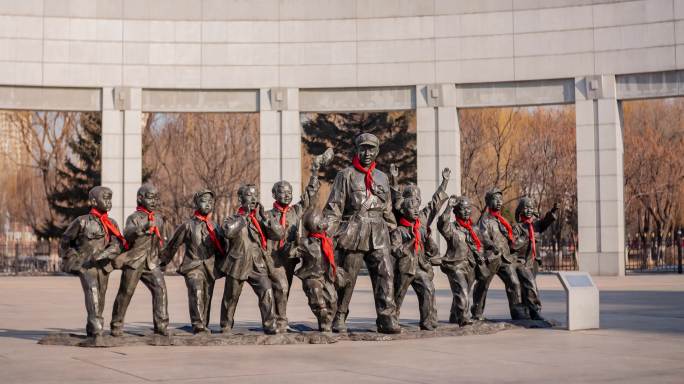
122,147
438,142
279,141
600,182
438,138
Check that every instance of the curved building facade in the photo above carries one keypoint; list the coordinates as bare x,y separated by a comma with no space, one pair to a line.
283,57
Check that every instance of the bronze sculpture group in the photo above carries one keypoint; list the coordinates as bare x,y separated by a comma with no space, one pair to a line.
369,218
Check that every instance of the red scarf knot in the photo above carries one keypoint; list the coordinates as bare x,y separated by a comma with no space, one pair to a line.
416,231
283,218
326,247
468,224
210,228
150,218
503,221
252,218
368,172
110,228
530,232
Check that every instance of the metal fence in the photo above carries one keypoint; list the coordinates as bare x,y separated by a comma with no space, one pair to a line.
28,257
647,253
557,256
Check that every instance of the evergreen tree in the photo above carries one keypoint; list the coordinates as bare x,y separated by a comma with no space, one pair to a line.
338,130
80,173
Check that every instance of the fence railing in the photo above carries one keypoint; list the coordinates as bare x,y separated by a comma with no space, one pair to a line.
28,257
647,253
557,257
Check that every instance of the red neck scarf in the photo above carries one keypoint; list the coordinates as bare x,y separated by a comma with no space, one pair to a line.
283,217
252,218
530,232
368,172
416,231
326,247
503,221
110,228
210,228
150,218
468,224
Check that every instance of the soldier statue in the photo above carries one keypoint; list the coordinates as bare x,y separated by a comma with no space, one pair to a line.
248,233
203,245
464,252
525,251
143,231
415,251
497,237
359,213
87,249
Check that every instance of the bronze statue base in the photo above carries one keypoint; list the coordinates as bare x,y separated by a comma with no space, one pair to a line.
303,333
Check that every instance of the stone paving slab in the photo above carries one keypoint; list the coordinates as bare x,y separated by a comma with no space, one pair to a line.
641,340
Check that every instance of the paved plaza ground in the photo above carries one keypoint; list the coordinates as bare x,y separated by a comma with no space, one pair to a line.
641,340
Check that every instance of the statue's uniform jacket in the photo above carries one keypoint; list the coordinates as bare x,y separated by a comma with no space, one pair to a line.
84,244
144,246
458,264
413,268
87,253
347,196
245,253
521,249
141,262
200,252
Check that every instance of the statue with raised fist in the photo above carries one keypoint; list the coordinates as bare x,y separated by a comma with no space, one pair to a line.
414,250
281,259
463,254
524,250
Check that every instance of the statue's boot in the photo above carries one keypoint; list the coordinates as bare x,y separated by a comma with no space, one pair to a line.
340,323
534,315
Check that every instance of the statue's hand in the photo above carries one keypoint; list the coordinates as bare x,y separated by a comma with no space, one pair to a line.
394,170
446,173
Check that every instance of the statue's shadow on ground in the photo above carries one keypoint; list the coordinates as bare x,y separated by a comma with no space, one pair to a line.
300,333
